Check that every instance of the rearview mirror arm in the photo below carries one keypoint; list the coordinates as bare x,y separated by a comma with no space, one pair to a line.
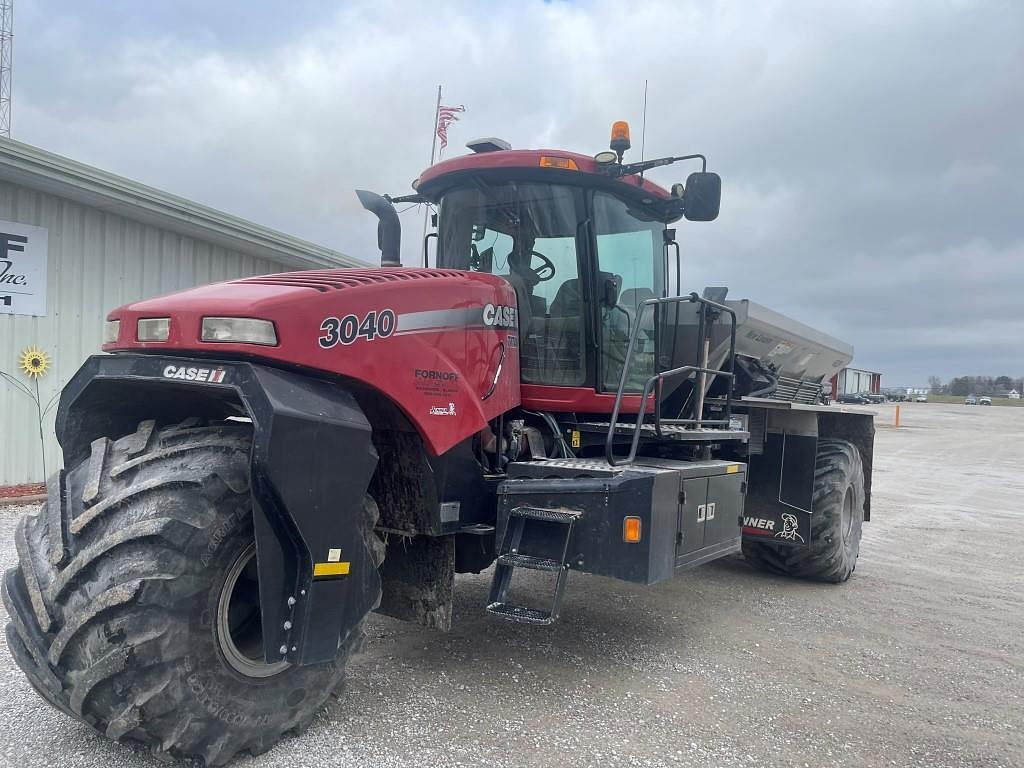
633,168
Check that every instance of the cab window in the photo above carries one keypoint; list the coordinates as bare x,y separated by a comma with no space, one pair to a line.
629,251
526,233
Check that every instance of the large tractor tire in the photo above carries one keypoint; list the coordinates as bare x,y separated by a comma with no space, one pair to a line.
134,606
836,521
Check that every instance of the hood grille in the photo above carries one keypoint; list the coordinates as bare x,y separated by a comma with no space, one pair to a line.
324,280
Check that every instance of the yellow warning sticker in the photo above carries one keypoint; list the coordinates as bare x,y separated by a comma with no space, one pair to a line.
331,569
575,439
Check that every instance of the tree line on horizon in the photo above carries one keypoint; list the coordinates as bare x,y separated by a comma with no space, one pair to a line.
961,386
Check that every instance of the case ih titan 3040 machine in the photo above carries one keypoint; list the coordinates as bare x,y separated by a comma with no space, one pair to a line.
258,464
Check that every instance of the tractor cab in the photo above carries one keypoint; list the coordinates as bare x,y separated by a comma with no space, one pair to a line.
580,261
582,240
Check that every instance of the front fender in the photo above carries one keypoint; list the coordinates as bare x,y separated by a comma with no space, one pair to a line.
311,462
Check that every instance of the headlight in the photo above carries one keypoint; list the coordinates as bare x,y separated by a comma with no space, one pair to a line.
154,329
240,330
111,330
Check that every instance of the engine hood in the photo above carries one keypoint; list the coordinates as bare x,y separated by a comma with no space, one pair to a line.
292,300
442,344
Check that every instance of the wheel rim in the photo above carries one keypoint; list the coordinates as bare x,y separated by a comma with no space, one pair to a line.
848,514
239,622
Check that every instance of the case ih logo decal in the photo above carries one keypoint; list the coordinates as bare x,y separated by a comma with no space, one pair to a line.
375,325
209,375
499,316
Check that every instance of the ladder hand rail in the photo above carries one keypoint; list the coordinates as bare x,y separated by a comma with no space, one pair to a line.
654,303
732,351
624,376
609,445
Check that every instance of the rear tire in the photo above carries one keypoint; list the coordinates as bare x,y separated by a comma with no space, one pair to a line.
836,521
132,608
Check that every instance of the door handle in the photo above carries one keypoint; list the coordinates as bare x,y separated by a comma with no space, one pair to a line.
701,512
711,511
497,372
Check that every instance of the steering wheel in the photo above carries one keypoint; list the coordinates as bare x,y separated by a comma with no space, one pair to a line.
546,270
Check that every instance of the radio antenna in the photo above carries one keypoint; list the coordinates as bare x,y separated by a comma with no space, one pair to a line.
643,128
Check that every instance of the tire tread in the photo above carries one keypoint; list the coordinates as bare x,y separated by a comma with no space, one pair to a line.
98,563
838,467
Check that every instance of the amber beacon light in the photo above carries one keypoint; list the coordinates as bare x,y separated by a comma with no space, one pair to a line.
620,138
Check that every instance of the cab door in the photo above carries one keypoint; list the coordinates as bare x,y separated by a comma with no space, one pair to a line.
629,270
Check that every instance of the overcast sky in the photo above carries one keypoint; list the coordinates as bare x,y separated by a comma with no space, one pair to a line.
871,152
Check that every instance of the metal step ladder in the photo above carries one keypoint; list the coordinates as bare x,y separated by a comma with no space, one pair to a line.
510,557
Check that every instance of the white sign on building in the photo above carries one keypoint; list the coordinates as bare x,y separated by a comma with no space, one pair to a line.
23,251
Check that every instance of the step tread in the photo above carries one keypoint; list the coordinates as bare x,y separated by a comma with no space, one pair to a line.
549,515
520,613
517,560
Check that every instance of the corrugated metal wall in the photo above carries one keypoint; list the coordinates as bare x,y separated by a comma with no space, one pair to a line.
853,381
97,261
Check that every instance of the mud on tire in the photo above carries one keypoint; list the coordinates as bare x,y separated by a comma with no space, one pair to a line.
114,604
836,521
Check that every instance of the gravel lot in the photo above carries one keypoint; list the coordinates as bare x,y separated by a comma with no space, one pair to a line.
918,660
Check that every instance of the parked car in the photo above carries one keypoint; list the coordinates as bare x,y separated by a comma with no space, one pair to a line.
921,399
985,401
970,400
854,398
874,397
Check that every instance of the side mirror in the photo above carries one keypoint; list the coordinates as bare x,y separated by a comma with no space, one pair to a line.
703,196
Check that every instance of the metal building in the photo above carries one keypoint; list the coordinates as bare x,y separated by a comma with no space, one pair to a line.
855,381
75,242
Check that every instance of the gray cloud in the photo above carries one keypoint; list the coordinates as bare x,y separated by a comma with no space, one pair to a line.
869,151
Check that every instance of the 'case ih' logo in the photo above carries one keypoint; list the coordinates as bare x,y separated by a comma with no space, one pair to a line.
209,375
499,316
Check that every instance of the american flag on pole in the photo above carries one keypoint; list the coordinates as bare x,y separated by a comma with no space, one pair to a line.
445,116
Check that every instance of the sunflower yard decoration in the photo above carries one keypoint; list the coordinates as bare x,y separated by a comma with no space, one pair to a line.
34,362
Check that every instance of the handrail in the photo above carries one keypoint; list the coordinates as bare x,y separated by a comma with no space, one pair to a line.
659,377
705,332
609,445
497,373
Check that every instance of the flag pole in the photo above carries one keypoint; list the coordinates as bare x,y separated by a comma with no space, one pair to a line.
437,112
433,150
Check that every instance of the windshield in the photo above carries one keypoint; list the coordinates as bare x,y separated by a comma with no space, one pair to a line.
531,234
527,234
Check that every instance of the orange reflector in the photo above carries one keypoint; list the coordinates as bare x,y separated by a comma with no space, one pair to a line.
558,162
631,530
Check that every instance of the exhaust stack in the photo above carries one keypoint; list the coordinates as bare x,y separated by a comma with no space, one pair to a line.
389,228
